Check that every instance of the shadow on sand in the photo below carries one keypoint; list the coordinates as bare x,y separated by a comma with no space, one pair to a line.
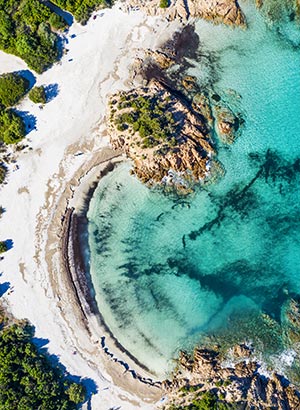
28,119
89,384
51,91
28,75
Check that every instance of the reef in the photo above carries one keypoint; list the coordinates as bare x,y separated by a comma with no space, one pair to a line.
229,374
291,321
205,377
281,10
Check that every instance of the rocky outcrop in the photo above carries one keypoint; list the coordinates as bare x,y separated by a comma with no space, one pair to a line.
161,58
227,123
167,141
169,125
277,11
291,321
241,384
217,11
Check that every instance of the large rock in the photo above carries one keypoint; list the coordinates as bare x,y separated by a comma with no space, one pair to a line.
217,11
178,155
241,384
242,351
227,123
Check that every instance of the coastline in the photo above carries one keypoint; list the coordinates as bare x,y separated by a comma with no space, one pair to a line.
69,140
71,278
79,279
46,264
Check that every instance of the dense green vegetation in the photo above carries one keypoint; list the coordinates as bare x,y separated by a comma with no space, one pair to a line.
27,379
3,247
12,127
57,22
3,172
12,88
164,4
28,28
25,30
206,401
148,116
38,95
81,9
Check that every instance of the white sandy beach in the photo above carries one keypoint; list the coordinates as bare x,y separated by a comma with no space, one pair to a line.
96,64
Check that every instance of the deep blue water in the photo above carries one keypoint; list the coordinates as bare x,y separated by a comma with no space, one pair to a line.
169,273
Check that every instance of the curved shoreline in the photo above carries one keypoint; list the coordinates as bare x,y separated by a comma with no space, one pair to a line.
71,279
81,279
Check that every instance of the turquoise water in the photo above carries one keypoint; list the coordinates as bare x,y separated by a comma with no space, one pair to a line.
169,272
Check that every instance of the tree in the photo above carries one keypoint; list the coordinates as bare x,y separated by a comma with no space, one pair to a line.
38,95
27,378
57,22
12,127
164,4
3,247
76,393
12,88
81,9
25,31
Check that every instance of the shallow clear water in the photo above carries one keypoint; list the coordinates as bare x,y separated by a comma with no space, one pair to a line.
168,272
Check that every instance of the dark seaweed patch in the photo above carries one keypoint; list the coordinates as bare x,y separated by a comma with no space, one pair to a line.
149,342
275,170
184,47
130,269
117,303
159,216
185,43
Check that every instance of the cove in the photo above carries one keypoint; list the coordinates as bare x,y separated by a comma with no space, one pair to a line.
218,265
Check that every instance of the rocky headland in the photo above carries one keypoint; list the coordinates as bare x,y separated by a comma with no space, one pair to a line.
217,11
169,125
170,141
204,380
163,137
224,375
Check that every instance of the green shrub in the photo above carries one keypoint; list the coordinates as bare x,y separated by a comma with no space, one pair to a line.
149,117
57,22
38,95
76,393
122,127
3,247
81,9
27,378
206,402
12,127
148,143
25,31
12,88
164,4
